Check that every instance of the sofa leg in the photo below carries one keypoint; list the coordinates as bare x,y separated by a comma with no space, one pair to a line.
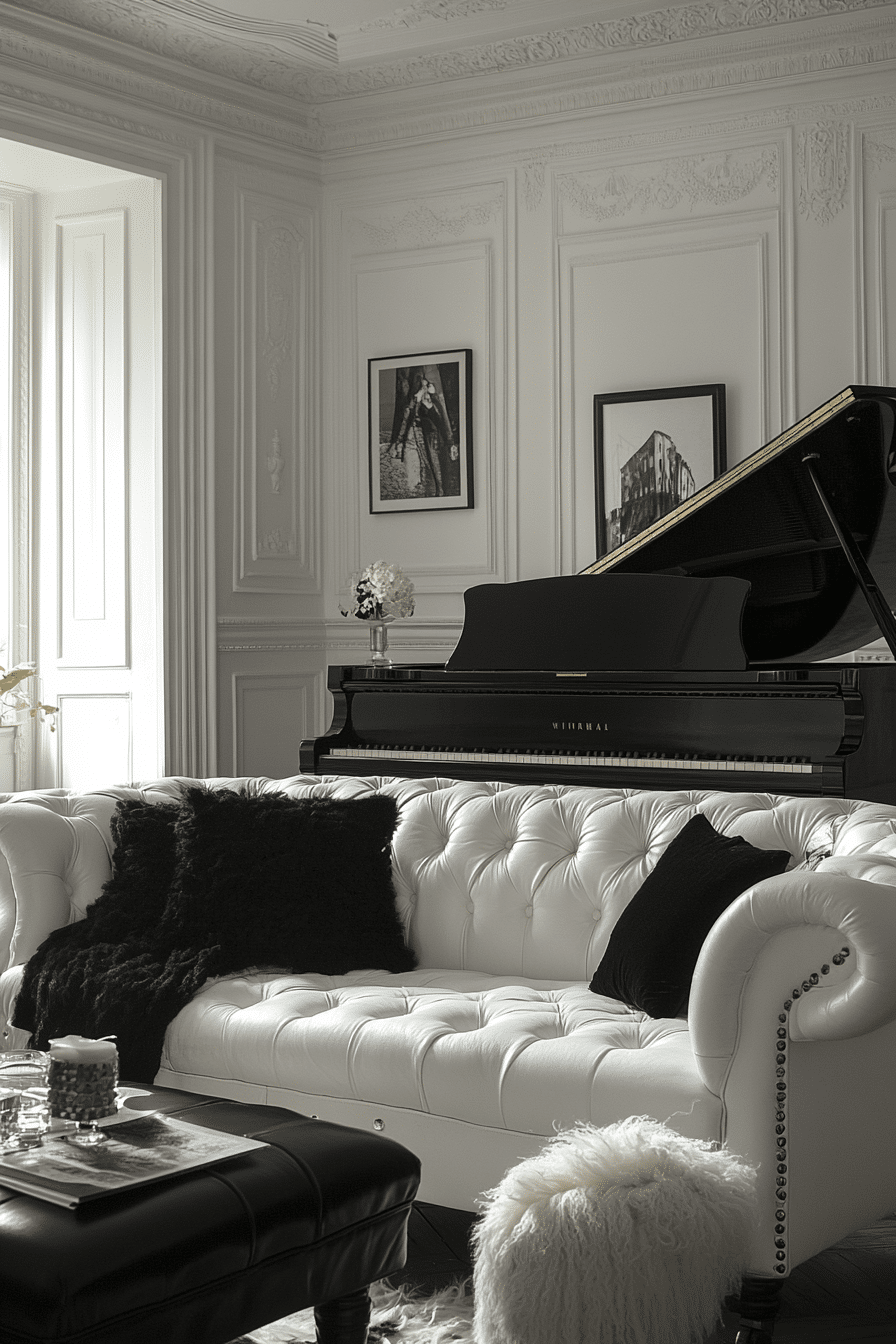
757,1304
344,1320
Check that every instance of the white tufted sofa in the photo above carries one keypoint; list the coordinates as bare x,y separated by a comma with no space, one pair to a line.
509,894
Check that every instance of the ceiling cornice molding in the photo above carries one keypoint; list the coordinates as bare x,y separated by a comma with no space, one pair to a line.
575,88
172,32
863,35
133,30
639,33
419,11
36,48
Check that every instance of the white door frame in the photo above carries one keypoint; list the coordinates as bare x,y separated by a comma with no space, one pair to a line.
184,164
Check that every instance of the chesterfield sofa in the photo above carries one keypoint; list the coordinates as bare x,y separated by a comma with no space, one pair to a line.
508,895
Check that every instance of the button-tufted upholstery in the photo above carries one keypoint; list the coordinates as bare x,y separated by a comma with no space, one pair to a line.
509,895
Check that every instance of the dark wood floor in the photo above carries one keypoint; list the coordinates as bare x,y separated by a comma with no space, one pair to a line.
846,1293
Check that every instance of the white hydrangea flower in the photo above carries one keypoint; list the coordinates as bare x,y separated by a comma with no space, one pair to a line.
381,592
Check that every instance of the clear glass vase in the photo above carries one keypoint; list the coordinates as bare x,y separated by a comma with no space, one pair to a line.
379,644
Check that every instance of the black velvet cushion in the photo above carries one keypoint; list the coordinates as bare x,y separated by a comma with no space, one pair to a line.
299,883
650,959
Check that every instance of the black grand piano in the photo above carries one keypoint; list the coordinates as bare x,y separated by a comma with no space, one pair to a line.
701,654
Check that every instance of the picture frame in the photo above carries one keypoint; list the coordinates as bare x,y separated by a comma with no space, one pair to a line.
652,450
420,431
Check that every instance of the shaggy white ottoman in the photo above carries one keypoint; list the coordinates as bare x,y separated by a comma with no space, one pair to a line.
630,1234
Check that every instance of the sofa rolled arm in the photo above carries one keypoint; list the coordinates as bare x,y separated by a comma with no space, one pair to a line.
846,911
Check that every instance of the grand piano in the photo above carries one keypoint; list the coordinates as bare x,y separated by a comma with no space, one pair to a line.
700,654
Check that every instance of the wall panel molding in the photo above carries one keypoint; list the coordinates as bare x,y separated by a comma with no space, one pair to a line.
432,574
93,614
272,713
275,519
749,245
424,263
255,635
17,471
89,756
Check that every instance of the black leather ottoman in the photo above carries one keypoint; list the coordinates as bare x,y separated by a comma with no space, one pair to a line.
309,1220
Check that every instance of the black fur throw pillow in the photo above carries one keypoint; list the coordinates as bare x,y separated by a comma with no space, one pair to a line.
299,883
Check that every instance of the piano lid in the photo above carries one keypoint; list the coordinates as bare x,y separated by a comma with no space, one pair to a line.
764,521
620,622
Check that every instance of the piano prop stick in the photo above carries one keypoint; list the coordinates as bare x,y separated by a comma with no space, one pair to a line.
864,578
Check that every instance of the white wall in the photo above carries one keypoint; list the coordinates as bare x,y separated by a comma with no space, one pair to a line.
729,220
741,238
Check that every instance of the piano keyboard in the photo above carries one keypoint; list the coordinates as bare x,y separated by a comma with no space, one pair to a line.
790,765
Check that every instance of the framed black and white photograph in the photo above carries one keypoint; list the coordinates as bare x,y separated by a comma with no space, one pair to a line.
652,451
421,431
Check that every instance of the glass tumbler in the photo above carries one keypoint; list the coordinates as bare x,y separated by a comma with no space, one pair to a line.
24,1074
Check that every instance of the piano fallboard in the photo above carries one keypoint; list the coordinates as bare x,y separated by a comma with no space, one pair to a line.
796,729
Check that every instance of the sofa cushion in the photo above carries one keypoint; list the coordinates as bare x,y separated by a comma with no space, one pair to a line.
650,958
500,1052
301,883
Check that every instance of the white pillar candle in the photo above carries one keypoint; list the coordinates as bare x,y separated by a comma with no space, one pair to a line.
82,1050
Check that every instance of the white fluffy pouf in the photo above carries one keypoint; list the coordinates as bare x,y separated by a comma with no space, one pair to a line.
630,1234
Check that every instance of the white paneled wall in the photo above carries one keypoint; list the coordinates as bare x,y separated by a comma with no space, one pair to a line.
267,462
747,243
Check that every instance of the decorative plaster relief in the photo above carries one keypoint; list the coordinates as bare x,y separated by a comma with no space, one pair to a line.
276,462
878,153
425,221
276,543
822,170
695,180
419,11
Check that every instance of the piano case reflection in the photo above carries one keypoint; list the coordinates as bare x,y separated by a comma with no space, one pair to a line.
701,654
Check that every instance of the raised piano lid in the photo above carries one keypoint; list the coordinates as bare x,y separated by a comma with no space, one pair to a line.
620,622
762,521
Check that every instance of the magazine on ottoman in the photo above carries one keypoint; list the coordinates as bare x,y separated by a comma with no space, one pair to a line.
136,1152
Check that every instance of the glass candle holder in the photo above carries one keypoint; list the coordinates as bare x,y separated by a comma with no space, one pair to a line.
83,1078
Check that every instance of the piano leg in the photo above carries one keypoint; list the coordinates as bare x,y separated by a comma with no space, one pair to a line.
757,1304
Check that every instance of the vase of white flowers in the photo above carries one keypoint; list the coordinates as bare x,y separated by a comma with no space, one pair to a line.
16,702
379,594
16,706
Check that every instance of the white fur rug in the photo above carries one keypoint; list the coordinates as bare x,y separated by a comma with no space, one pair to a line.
445,1317
402,1318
